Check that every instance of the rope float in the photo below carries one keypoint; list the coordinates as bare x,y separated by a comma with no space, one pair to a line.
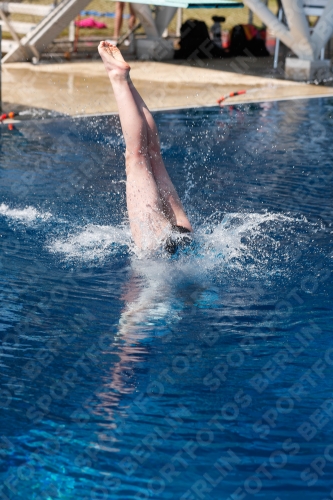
232,94
4,116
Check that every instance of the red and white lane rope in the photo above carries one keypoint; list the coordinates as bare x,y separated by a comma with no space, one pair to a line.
232,94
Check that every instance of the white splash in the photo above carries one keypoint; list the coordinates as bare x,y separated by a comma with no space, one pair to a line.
91,243
25,215
243,241
237,245
36,113
232,235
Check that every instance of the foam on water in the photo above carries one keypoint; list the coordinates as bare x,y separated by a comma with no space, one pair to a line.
91,243
39,113
248,237
241,241
250,242
96,242
25,215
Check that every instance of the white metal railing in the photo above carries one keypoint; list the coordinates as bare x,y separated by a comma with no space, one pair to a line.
25,8
19,27
314,7
16,28
35,41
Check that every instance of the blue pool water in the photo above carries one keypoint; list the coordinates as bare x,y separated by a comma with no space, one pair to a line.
205,376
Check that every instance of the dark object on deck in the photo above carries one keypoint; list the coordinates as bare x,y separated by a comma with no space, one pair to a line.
218,19
247,40
215,31
196,43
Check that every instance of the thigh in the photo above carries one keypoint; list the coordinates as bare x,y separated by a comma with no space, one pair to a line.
148,222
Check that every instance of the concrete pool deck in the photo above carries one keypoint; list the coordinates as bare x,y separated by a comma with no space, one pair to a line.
82,88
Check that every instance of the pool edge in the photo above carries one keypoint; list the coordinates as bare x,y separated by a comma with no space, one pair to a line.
227,103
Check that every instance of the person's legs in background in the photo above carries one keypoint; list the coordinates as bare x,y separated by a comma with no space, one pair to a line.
131,21
118,21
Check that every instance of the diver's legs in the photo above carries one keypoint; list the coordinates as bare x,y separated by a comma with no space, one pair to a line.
172,205
147,220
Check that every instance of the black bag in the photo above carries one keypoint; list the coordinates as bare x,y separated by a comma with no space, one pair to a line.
195,42
241,45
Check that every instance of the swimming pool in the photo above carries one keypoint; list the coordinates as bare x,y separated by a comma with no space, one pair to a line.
205,376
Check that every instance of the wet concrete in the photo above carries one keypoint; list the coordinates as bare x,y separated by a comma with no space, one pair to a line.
79,88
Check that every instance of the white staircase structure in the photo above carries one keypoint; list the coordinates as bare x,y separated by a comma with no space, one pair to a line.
296,33
154,26
37,36
16,28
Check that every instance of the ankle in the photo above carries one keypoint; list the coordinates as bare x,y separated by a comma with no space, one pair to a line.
116,75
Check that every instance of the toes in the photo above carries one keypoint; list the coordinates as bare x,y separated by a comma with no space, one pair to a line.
102,46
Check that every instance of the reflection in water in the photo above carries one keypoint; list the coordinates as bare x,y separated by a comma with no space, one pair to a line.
151,307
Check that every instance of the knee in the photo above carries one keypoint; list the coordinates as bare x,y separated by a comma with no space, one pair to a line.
136,155
136,160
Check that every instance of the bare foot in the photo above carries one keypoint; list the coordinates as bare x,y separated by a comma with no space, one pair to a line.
113,60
